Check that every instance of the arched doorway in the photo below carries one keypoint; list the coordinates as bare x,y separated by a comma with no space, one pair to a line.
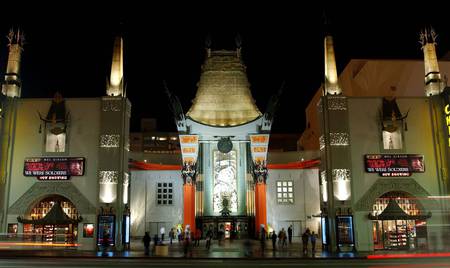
399,222
53,219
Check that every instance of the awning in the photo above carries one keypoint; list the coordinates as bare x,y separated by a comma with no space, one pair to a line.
394,212
55,216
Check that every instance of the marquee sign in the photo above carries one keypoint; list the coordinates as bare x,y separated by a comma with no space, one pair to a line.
394,165
189,148
259,145
53,168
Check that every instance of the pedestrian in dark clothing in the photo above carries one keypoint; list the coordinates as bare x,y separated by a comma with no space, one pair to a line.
305,238
313,242
105,243
209,235
171,235
274,240
263,240
146,241
156,239
290,234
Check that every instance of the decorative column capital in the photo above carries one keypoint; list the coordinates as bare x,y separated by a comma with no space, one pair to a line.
189,172
260,172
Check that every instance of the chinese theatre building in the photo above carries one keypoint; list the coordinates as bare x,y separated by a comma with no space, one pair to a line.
384,164
64,162
225,182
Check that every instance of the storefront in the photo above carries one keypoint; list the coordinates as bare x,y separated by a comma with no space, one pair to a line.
398,223
53,220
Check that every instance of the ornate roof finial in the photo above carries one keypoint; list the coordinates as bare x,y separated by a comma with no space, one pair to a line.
238,41
427,36
15,38
208,43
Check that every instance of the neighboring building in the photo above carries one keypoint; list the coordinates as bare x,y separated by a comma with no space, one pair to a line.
64,162
384,159
369,78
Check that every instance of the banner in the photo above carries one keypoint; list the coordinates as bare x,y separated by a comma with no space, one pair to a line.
259,145
189,148
394,165
53,168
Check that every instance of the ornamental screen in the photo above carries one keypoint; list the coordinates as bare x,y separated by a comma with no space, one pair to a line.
225,185
285,192
164,193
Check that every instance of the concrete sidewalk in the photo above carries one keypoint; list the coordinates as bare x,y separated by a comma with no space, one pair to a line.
227,249
237,249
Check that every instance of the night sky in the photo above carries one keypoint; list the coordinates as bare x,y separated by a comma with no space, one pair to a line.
70,50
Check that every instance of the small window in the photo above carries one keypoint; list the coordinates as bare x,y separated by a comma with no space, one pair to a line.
285,192
164,193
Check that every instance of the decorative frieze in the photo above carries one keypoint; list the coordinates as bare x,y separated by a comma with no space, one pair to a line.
339,139
108,177
341,174
111,105
337,103
321,142
109,140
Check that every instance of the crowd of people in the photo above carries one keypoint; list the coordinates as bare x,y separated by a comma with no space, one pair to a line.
190,239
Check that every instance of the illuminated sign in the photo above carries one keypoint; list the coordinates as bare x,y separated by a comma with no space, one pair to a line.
258,145
394,165
189,148
53,168
447,121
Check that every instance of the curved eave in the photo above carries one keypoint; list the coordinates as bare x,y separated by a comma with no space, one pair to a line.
224,126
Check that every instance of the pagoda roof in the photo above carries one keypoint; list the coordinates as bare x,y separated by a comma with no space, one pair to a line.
56,215
394,212
223,96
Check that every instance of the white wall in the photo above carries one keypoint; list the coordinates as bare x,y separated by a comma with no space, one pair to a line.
306,200
144,207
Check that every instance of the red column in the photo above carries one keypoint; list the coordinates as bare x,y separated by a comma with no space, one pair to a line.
260,206
189,205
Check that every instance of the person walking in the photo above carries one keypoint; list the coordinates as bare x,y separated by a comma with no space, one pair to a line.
171,235
274,240
187,241
313,242
283,238
209,235
263,240
305,238
146,239
105,243
290,234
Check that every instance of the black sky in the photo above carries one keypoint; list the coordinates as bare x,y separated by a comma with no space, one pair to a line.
69,48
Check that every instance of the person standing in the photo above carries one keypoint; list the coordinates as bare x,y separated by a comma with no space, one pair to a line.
305,238
263,240
171,235
290,234
146,241
283,238
313,242
274,240
209,235
162,231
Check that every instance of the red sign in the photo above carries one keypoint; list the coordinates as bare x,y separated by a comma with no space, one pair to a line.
53,168
394,165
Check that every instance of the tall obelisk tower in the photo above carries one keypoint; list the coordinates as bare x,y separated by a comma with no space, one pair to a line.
433,82
113,171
